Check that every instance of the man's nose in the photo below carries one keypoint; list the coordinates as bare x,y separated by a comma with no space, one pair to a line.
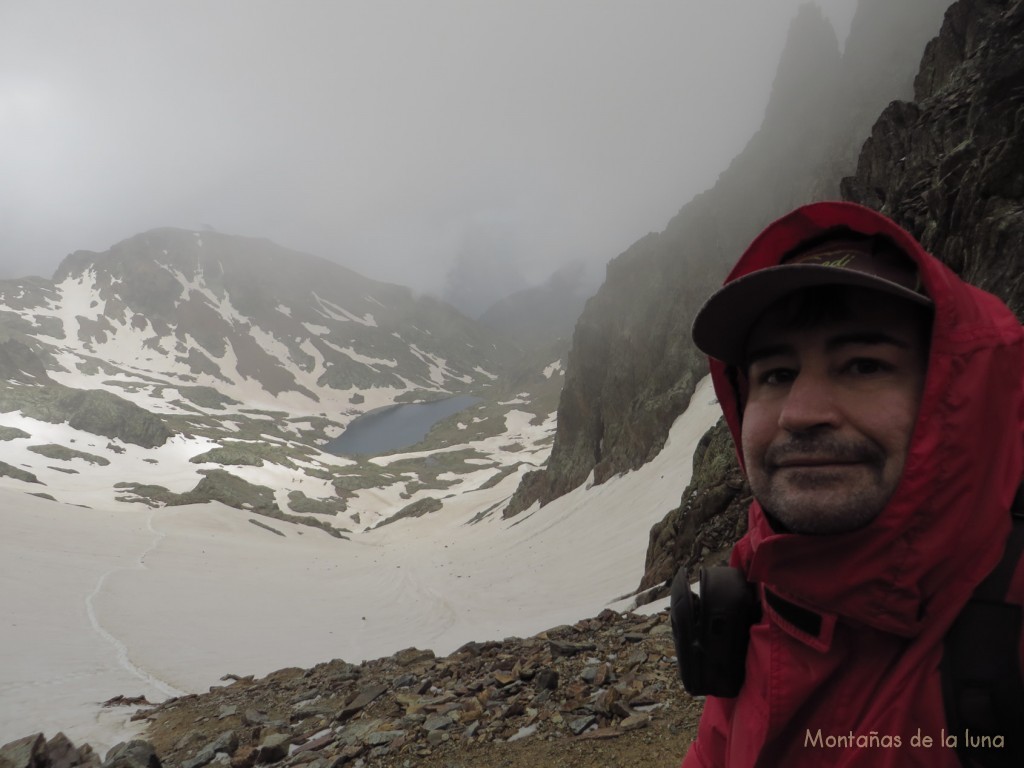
809,403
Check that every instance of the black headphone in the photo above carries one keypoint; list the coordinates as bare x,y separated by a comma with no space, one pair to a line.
712,629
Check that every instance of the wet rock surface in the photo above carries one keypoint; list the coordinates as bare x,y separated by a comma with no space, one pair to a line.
604,691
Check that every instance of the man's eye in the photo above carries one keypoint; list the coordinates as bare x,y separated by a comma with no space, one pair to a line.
865,366
773,377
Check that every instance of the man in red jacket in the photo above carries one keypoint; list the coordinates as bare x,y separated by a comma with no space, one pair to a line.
877,404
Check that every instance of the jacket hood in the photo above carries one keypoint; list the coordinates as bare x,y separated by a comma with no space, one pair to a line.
946,524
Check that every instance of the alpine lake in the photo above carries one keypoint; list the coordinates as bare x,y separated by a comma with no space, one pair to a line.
395,427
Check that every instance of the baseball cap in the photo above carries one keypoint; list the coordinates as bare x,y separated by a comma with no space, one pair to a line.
723,324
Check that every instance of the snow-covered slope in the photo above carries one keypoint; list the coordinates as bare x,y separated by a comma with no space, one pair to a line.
101,602
168,513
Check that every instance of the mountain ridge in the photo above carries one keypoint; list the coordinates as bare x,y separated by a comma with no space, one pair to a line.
255,356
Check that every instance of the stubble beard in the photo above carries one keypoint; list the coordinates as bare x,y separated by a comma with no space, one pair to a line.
822,500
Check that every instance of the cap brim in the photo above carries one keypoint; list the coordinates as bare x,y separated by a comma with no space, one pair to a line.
723,324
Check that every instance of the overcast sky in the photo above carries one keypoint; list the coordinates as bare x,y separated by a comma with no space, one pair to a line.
389,136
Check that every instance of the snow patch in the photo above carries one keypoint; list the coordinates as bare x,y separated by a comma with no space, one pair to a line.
554,368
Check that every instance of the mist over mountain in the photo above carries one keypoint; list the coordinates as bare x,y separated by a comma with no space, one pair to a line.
183,385
217,310
549,310
241,353
944,164
632,366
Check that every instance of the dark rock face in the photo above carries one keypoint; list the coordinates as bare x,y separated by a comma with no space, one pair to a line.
713,514
633,368
19,363
949,167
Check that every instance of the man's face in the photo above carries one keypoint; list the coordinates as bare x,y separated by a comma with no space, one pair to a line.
830,411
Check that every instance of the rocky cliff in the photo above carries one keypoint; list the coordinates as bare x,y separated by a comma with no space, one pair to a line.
949,167
632,367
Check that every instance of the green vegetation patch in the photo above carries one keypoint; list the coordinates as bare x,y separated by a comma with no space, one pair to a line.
361,477
8,470
417,509
63,453
222,486
418,472
428,468
500,475
150,495
303,504
244,454
207,397
480,421
233,491
12,433
90,410
265,527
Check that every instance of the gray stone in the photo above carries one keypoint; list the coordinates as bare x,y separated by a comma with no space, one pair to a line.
364,697
379,738
22,753
354,733
437,738
411,656
437,722
273,748
254,717
404,681
226,743
132,754
203,757
633,722
546,679
559,648
61,753
580,724
312,710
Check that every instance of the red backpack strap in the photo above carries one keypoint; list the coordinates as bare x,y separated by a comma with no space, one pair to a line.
982,680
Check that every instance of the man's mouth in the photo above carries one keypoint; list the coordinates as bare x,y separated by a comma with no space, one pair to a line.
800,462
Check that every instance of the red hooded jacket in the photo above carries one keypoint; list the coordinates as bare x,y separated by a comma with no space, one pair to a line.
865,690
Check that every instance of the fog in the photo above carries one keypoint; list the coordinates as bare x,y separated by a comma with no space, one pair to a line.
396,138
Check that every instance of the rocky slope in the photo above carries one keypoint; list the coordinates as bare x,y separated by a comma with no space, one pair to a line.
632,367
601,692
949,167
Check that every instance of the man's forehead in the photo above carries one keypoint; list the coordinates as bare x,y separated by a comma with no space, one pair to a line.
843,316
792,341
